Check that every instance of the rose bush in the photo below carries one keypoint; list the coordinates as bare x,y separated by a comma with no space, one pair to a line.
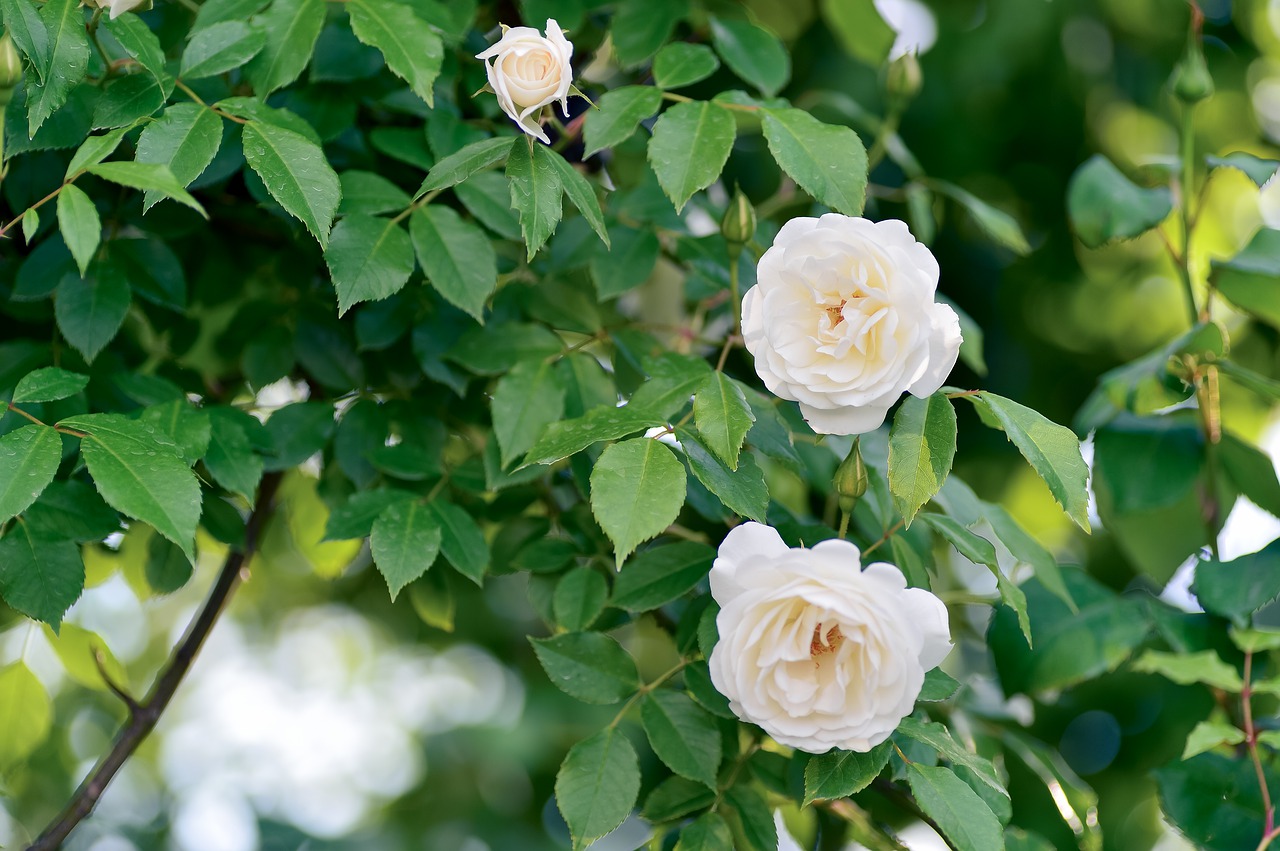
818,650
843,320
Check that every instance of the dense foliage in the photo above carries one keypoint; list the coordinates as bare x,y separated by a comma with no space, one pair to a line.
281,277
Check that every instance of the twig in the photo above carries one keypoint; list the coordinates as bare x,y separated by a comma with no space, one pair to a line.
144,716
1251,741
100,661
886,536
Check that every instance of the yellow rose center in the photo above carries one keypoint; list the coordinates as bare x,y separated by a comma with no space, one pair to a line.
820,645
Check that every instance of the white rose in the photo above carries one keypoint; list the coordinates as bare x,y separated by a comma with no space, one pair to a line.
815,649
118,7
843,320
528,72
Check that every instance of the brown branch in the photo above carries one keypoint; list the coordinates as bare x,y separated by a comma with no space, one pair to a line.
144,716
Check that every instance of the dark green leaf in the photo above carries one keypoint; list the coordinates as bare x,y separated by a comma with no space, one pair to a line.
186,139
219,48
456,256
40,577
690,145
579,599
535,193
708,832
71,509
369,258
564,438
683,64
640,27
743,491
682,734
661,574
29,459
938,686
460,165
354,518
230,459
1238,588
297,432
412,50
723,417
1249,280
167,569
588,665
1215,801
838,774
619,115
525,401
91,310
629,262
579,191
673,378
369,193
965,818
291,27
675,798
754,54
461,540
63,58
296,173
1001,227
405,541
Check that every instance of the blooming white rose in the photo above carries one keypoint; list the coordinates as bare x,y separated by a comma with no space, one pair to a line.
817,650
528,72
843,320
116,8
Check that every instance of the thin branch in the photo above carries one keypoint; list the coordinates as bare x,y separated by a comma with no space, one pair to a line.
1251,740
100,661
143,718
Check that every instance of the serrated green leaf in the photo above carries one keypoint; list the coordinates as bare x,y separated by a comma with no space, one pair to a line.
827,161
590,666
1208,735
183,423
690,145
597,785
579,191
838,774
579,598
1104,205
26,713
291,27
405,542
566,437
354,518
723,417
743,491
619,115
94,150
414,53
1238,588
80,225
124,101
141,473
166,569
154,177
1249,280
457,257
63,59
661,574
47,385
461,540
675,798
922,446
139,42
682,734
708,832
938,686
29,459
71,509
369,258
979,550
77,648
296,173
23,24
964,818
219,48
1204,667
460,165
535,193
185,138
1001,227
90,311
753,53
525,401
230,458
369,193
637,491
683,64
673,379
39,577
1259,170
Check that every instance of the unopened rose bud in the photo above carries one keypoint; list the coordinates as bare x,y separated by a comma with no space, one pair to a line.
10,67
850,480
738,226
903,79
1192,82
529,71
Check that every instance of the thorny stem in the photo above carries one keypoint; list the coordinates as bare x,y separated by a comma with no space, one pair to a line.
144,716
1251,741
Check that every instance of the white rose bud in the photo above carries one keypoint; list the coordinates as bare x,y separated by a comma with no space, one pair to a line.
818,651
528,72
116,8
843,320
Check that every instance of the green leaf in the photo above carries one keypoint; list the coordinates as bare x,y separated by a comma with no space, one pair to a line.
723,417
597,785
297,432
26,713
220,48
839,774
979,550
154,177
578,190
40,576
230,458
496,348
216,11
618,115
673,378
1236,589
590,666
535,193
1027,549
628,263
184,424
1250,470
566,437
1208,735
964,818
675,798
708,832
938,686
186,139
661,574
682,734
63,60
354,518
81,228
125,101
998,225
1267,388
458,166
487,197
369,258
637,491
827,161
525,401
23,24
139,42
47,385
1052,450
141,473
461,540
296,173
456,256
861,31
1249,280
683,64
1104,205
743,491
291,27
167,569
369,193
1214,800
1184,669
91,310
1257,169
77,648
749,819
690,145
94,150
405,541
414,53
922,445
753,53
579,598
29,459
640,27
71,509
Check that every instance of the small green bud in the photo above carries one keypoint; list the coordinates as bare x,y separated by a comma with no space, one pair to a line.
1192,82
903,79
850,480
739,223
10,67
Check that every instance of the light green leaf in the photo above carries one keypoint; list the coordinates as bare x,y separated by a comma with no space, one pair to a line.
1001,227
1184,669
938,686
1027,549
81,228
597,785
723,417
690,145
405,541
291,27
29,459
683,64
220,48
839,774
629,262
40,576
682,734
456,256
47,385
1052,450
77,648
579,598
148,176
142,473
414,53
861,31
979,550
578,190
460,165
525,401
566,437
90,310
743,491
964,818
535,193
63,60
185,138
637,491
708,832
94,150
1208,735
296,173
1104,205
753,53
922,445
619,115
1250,280
661,574
26,714
590,666
369,258
827,161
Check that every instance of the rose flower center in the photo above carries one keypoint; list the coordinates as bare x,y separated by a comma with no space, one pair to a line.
820,645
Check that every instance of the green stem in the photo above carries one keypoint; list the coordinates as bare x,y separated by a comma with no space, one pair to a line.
887,128
1188,147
